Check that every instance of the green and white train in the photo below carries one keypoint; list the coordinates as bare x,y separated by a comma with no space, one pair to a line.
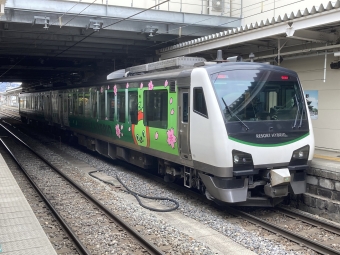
239,132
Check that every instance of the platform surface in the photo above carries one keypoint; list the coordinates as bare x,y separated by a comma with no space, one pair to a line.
20,230
326,160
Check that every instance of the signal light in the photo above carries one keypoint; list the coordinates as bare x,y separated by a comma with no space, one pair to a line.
285,77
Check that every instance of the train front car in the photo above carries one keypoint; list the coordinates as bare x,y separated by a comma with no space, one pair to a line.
251,133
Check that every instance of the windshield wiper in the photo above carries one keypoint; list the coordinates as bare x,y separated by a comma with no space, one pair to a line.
298,111
231,113
302,112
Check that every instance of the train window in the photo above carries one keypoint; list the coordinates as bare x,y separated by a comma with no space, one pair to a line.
133,107
70,104
87,104
199,102
101,98
21,102
185,106
74,104
121,106
111,104
80,103
94,104
156,108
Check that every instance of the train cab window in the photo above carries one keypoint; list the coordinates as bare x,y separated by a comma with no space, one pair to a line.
133,107
199,102
111,105
87,104
121,106
156,108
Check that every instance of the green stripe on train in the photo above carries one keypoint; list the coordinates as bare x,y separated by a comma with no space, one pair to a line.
268,145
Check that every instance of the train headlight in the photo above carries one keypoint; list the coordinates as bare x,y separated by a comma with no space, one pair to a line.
242,160
300,156
236,159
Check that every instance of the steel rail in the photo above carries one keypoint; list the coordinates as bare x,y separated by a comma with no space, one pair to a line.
146,244
310,220
79,245
314,245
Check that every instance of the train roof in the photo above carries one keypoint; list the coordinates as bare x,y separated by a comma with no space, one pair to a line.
227,66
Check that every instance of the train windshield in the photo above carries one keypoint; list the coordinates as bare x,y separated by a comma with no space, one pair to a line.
256,95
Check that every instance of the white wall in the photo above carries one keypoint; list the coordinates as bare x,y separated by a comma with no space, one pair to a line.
311,73
231,7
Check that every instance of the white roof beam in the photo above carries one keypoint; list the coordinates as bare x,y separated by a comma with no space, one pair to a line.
312,36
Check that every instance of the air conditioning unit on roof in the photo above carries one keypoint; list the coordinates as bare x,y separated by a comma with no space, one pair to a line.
218,5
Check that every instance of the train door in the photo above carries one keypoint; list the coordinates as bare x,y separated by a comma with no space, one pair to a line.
184,135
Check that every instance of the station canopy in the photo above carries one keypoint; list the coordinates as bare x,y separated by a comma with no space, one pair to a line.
47,43
302,33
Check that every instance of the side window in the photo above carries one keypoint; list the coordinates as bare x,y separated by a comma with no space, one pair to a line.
156,108
199,102
75,103
185,105
87,104
121,106
133,107
111,105
94,104
101,98
80,103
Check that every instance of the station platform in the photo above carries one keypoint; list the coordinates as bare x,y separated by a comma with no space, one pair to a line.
327,160
20,230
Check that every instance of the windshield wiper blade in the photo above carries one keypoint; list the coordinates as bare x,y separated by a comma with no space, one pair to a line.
231,113
302,112
298,111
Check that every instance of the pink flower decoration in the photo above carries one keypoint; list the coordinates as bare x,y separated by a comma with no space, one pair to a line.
118,130
171,138
156,135
127,85
101,89
150,85
172,111
166,83
171,100
108,87
129,129
121,127
141,85
115,89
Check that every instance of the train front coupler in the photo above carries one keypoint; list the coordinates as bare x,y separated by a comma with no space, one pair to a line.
279,182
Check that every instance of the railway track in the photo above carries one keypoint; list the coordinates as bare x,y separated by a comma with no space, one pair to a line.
283,230
93,218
